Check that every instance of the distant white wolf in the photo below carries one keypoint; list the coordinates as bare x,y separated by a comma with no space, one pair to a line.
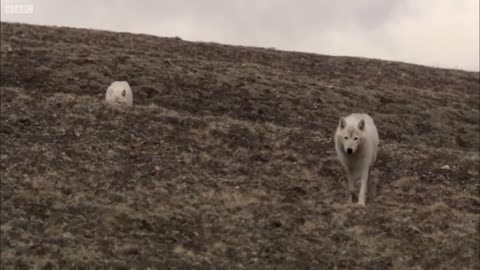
356,143
119,93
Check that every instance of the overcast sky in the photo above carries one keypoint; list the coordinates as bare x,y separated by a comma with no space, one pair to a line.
441,33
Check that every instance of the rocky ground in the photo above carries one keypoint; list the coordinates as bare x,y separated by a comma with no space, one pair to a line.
227,161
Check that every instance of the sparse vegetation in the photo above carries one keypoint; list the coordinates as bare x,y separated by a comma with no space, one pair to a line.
227,160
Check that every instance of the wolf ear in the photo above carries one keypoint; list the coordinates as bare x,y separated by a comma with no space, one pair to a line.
124,92
342,123
361,125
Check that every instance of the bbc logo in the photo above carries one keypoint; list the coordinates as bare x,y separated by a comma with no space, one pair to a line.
18,9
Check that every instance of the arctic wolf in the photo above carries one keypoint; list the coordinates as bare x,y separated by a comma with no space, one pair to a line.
119,93
356,143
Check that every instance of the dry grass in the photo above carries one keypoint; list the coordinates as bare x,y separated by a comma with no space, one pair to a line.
226,161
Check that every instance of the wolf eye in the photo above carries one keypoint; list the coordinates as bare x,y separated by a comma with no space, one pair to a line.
356,138
346,138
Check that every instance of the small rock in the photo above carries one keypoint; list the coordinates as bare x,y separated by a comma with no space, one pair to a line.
68,235
445,167
25,121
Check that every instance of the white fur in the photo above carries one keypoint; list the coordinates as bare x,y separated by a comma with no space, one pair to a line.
359,162
119,93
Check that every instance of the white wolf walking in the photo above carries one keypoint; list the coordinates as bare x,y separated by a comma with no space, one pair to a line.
356,143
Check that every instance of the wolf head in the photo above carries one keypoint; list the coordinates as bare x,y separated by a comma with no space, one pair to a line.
121,98
350,135
119,93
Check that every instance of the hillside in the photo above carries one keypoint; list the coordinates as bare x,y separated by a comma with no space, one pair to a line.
227,161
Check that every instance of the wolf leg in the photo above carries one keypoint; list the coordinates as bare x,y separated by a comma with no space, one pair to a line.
363,187
350,187
373,183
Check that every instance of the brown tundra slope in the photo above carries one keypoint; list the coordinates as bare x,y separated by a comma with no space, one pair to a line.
227,160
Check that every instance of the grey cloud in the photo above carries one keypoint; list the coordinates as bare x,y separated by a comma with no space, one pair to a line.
393,29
